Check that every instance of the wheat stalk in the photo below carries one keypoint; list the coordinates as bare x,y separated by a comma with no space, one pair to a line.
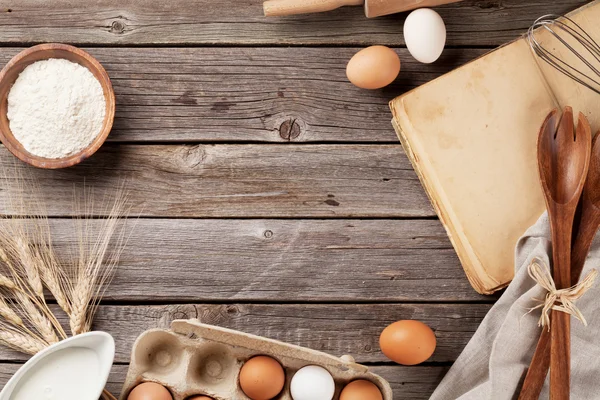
95,266
26,322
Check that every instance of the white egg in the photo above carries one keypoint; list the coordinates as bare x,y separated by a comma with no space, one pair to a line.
425,35
312,383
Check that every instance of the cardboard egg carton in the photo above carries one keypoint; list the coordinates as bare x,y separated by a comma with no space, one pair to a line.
194,359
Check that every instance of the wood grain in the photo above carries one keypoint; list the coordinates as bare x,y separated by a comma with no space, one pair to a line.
260,94
240,181
293,231
415,383
470,23
316,326
284,260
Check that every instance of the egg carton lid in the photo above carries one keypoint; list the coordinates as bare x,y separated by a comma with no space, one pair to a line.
344,365
194,328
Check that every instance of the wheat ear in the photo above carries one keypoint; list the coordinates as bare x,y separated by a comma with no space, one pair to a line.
4,280
9,314
21,342
53,276
7,283
39,321
80,298
54,279
24,263
15,322
30,296
29,266
56,289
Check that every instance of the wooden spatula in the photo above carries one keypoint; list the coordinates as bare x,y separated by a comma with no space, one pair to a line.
373,8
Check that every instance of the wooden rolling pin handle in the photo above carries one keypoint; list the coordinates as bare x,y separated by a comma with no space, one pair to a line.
373,8
279,8
378,8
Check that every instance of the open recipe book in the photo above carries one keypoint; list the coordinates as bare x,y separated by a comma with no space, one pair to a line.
471,137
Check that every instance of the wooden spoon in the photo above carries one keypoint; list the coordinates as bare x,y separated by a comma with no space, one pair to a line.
589,222
563,161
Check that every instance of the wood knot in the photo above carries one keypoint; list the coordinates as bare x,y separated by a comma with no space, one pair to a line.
117,27
289,130
268,234
181,312
232,310
193,156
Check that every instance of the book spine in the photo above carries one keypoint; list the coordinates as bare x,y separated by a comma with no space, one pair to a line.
470,271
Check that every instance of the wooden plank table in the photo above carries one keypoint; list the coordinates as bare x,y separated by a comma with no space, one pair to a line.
273,195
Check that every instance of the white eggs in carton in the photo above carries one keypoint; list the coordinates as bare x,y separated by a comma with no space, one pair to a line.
193,360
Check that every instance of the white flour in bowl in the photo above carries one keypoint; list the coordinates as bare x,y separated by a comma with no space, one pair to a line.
56,108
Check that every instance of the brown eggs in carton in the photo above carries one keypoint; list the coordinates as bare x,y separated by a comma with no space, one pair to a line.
194,359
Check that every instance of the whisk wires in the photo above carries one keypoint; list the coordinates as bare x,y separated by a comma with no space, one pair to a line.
561,28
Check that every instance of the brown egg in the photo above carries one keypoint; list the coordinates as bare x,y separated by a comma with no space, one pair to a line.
262,378
407,342
373,67
361,390
150,391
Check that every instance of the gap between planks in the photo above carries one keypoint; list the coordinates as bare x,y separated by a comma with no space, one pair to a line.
356,47
234,22
318,181
414,383
249,96
315,326
294,261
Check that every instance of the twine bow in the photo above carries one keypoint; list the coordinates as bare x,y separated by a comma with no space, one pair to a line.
558,299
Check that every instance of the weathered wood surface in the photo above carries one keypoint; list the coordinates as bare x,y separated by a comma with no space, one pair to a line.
241,180
333,328
474,22
414,383
258,234
258,94
284,261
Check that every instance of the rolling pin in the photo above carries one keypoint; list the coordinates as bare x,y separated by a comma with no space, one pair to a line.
373,8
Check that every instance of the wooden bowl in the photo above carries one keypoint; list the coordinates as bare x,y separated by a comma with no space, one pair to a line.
9,75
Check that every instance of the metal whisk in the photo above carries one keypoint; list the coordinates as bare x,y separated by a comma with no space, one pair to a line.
561,28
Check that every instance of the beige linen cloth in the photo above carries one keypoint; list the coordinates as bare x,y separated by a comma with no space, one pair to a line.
492,365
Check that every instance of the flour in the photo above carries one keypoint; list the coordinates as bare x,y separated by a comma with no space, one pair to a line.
56,108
